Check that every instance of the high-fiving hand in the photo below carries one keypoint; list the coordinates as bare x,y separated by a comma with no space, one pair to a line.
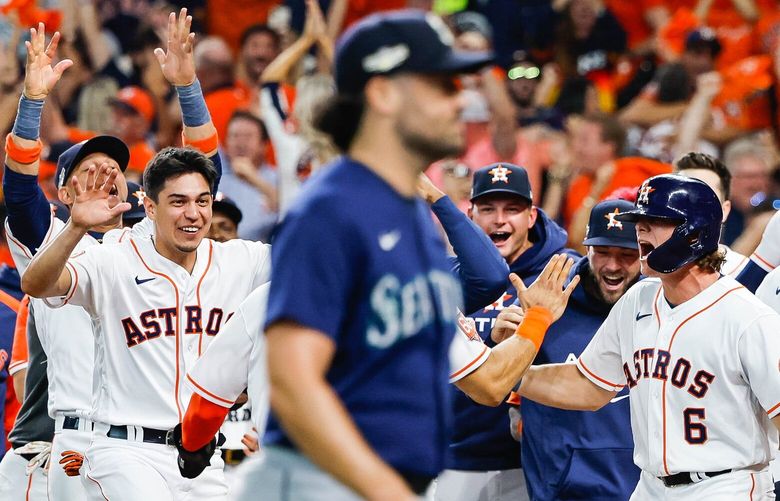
547,290
177,61
40,76
96,203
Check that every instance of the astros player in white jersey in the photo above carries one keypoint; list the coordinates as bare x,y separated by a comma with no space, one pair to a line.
698,352
156,303
65,333
718,177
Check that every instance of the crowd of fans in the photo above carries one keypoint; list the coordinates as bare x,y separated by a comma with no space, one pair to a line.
590,96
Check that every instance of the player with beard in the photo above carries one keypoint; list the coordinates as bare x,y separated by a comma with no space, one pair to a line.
483,459
363,346
556,442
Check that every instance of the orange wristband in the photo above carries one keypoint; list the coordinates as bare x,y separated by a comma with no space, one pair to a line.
535,324
22,155
205,146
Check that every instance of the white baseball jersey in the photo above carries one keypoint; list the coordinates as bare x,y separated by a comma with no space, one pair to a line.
65,334
152,319
236,360
769,290
467,351
703,376
734,261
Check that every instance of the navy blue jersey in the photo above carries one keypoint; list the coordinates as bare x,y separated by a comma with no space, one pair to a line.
577,454
365,266
481,439
9,283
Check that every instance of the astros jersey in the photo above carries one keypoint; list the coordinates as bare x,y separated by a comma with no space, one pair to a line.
237,360
65,334
703,376
365,266
735,262
152,319
467,351
769,290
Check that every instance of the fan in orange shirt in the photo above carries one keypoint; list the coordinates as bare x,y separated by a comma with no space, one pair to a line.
744,100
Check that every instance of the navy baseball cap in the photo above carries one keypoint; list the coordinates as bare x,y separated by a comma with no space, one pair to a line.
227,207
604,229
70,158
135,197
409,40
703,38
501,178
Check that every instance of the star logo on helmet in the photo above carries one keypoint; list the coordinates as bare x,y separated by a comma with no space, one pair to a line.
500,173
140,195
644,192
613,223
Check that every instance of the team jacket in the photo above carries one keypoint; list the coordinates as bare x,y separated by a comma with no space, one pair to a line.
10,295
481,440
577,454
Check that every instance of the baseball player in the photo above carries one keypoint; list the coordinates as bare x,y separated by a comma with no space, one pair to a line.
585,455
66,332
483,458
697,352
718,177
236,360
156,303
363,346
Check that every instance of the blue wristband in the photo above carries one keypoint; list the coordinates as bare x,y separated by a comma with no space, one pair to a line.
28,118
193,105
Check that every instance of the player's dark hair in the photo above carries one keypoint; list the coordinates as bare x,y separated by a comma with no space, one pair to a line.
712,262
257,29
339,118
703,161
245,115
173,162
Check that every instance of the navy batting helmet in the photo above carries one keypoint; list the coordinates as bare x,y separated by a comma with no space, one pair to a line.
690,203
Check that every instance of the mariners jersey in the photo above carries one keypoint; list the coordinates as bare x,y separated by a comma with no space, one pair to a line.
703,375
236,359
381,288
65,334
152,319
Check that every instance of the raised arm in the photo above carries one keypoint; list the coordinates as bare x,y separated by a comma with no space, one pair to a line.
178,66
481,269
544,302
563,386
46,275
28,210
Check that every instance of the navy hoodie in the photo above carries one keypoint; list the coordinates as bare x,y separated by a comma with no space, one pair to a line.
481,439
10,284
577,454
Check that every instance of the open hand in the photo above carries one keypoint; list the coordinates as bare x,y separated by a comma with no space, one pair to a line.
95,203
40,76
547,290
177,61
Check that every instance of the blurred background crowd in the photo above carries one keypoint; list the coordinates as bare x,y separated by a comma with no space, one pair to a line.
590,96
